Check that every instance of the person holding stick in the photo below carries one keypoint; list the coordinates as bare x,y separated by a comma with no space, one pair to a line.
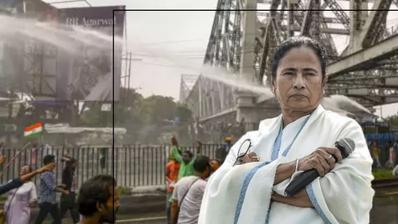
19,181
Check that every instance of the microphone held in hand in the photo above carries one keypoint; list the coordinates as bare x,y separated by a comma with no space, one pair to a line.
345,145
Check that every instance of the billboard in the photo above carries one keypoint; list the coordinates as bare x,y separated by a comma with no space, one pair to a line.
27,59
87,75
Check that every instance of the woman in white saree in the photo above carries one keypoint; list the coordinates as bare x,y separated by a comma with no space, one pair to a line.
300,139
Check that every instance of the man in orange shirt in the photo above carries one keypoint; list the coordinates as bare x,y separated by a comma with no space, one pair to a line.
172,169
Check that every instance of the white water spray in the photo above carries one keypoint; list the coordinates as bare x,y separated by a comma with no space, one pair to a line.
337,103
66,38
234,80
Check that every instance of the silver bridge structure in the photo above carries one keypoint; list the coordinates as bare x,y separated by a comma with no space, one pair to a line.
360,37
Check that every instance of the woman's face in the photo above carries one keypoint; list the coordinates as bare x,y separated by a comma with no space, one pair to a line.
298,85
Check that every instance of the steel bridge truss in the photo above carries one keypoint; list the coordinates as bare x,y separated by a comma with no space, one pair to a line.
245,33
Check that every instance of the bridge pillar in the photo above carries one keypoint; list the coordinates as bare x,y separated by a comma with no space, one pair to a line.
248,41
252,112
358,18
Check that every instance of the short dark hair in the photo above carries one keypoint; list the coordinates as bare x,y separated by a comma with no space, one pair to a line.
70,160
201,163
188,152
217,160
48,159
296,42
96,189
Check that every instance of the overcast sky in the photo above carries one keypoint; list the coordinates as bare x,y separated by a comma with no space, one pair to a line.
167,44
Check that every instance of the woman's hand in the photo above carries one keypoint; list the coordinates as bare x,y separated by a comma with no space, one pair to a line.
322,160
249,158
300,199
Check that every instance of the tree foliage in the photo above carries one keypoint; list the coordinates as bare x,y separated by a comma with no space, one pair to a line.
393,121
146,119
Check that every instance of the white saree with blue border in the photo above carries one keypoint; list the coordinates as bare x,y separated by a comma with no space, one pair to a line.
241,194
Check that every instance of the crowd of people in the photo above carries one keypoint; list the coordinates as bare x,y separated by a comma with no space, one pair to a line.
97,200
305,142
384,155
186,175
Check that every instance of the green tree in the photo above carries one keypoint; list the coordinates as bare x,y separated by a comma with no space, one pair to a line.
183,113
184,116
158,109
145,119
392,121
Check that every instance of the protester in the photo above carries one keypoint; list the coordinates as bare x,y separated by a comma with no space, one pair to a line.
188,193
98,200
17,182
103,151
185,159
198,147
47,194
186,164
69,182
375,150
172,169
302,138
20,201
391,155
175,148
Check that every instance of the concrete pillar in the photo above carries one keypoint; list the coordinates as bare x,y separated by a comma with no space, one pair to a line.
357,19
290,16
246,107
249,19
252,112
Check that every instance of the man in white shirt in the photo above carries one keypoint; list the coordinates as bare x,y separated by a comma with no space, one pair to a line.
188,193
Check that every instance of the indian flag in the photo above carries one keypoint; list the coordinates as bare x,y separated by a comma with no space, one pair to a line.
33,130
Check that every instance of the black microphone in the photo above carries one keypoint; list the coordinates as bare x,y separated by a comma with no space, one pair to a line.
345,145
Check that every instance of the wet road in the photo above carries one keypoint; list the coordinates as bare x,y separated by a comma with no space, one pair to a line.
384,211
385,207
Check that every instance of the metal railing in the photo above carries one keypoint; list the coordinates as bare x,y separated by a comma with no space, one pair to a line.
91,161
131,165
144,165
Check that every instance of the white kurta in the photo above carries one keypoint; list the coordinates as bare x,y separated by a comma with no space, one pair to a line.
242,194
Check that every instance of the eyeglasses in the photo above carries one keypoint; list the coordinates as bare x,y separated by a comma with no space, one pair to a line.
243,150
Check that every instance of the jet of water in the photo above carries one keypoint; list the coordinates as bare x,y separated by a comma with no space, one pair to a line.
344,103
337,103
66,38
238,81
